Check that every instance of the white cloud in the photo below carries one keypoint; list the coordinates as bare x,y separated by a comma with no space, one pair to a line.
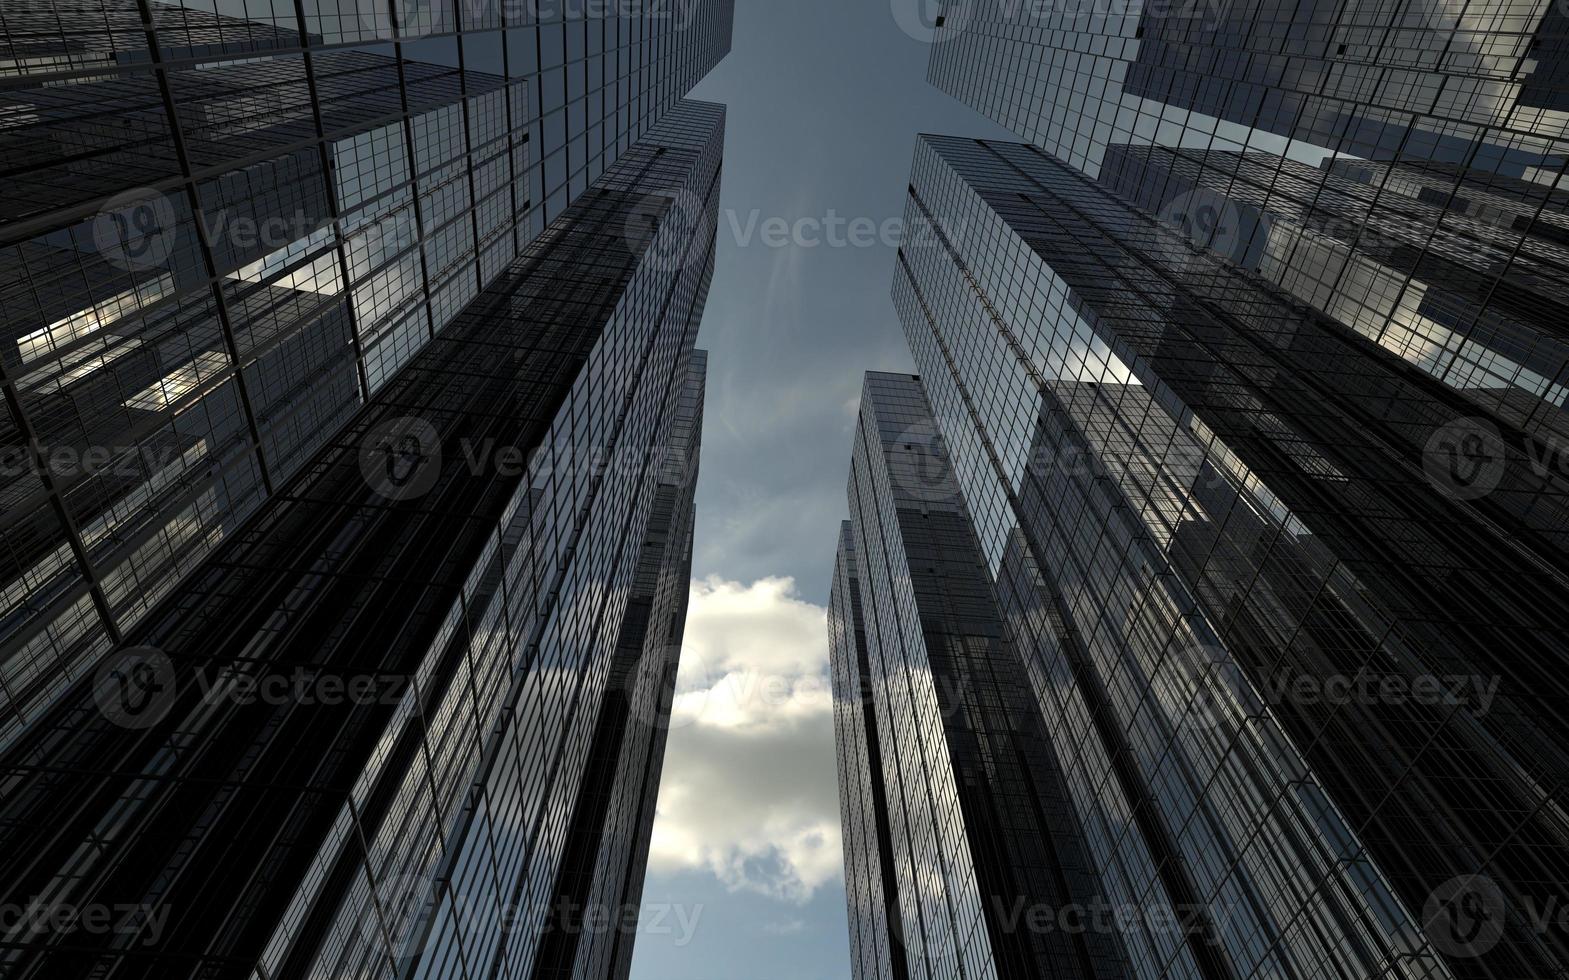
748,791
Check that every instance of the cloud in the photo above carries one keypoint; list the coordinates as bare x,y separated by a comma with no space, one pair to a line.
748,792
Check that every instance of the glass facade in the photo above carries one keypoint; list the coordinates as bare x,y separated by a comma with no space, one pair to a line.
959,826
1396,166
871,892
1250,369
1392,266
1438,80
1297,651
406,720
226,229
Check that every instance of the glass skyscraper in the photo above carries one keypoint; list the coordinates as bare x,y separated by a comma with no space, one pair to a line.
1248,371
957,820
1290,607
1399,166
1441,80
1406,267
391,699
225,230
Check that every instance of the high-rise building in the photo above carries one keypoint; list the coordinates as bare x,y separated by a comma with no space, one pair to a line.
1390,258
602,871
871,890
958,826
1289,606
1439,80
1451,250
225,230
407,720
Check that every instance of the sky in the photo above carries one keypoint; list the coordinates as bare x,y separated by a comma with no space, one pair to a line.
825,100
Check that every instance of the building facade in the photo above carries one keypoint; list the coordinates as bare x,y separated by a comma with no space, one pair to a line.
1438,80
871,890
1400,168
225,231
408,720
958,827
1249,560
1384,252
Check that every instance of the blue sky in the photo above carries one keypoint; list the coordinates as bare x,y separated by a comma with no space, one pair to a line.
825,100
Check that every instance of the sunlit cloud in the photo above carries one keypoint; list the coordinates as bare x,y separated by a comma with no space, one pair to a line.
748,792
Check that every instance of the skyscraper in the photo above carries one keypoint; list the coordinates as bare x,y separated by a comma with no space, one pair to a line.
957,822
1251,564
407,721
225,231
1414,272
1433,80
1451,250
871,890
